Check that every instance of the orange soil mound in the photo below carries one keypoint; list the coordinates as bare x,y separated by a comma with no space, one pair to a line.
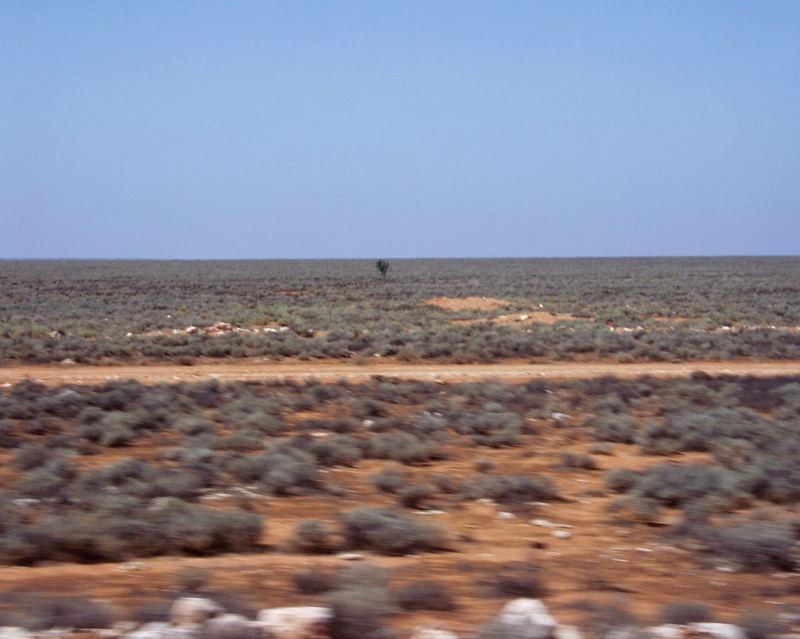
467,303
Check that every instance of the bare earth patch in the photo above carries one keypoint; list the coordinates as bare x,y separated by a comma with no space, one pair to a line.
467,303
537,316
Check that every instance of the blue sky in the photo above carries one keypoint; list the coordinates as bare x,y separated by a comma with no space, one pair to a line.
399,129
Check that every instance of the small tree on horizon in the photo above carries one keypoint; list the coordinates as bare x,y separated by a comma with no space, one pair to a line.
383,267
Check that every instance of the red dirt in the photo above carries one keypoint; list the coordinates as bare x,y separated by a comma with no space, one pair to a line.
605,559
468,303
255,370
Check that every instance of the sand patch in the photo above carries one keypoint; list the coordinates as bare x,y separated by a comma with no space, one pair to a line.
468,303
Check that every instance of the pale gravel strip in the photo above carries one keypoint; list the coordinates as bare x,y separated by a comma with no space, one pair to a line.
332,371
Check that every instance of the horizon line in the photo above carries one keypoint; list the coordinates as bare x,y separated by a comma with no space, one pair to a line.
340,259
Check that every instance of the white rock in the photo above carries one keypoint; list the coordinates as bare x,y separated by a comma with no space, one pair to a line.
226,625
129,566
505,515
718,630
350,556
188,611
433,633
544,523
12,632
26,501
665,631
191,631
301,622
561,534
530,616
567,632
154,630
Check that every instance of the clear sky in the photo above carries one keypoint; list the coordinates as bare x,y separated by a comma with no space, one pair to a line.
229,129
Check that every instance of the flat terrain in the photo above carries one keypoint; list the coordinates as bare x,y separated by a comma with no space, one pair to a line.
605,434
361,421
332,371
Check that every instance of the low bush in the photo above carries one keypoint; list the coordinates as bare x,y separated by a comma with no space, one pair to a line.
493,429
512,489
402,447
314,581
676,485
38,611
621,480
282,470
338,450
757,546
686,612
425,595
390,480
389,532
760,625
578,461
360,613
519,581
415,496
192,579
613,428
313,536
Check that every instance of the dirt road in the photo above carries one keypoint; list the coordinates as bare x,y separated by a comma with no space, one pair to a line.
331,371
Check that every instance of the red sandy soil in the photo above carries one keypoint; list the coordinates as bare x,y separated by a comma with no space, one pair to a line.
605,559
255,370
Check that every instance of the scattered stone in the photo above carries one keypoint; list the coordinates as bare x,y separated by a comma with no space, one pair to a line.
665,631
189,611
301,622
26,501
567,632
505,515
130,566
227,626
351,556
561,534
544,523
560,417
717,630
153,630
432,633
527,618
724,568
67,362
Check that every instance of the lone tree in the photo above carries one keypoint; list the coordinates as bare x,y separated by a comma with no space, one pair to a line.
383,267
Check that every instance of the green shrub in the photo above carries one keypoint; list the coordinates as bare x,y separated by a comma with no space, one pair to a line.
425,595
512,489
313,536
755,546
388,532
686,612
519,580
